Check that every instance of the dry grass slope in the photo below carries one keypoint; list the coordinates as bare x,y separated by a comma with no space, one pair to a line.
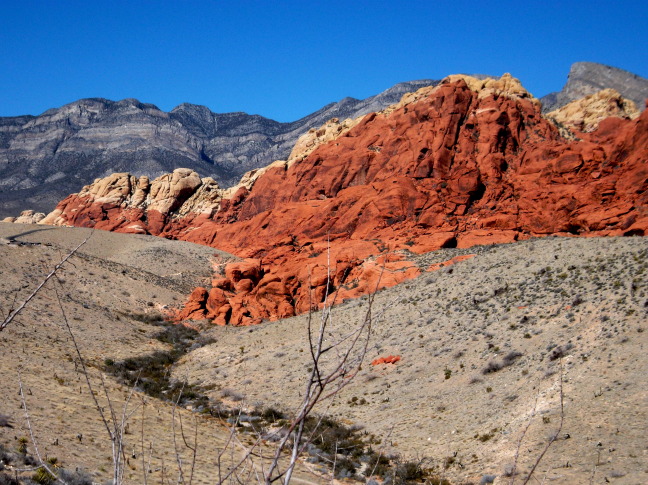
481,345
111,291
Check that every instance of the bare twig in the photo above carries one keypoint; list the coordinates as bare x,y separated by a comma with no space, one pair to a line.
31,432
193,448
173,428
519,445
144,468
116,428
346,365
556,434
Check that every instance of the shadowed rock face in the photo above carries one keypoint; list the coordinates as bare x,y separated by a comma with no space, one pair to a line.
587,78
44,158
468,162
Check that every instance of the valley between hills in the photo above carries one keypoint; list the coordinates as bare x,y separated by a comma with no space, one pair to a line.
480,265
484,344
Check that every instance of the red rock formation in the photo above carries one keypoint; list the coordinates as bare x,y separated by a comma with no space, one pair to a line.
469,162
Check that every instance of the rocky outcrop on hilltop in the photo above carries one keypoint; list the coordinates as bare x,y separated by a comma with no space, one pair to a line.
586,78
468,162
26,217
44,158
585,114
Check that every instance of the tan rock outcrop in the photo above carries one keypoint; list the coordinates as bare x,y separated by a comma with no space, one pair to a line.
310,140
506,85
585,114
168,192
114,189
26,217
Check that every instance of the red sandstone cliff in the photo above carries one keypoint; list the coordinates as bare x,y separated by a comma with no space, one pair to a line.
468,162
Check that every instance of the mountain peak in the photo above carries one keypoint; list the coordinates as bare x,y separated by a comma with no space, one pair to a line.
586,78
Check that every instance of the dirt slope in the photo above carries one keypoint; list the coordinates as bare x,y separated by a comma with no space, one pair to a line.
579,303
109,291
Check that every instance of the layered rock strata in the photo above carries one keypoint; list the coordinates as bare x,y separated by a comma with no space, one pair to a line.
586,78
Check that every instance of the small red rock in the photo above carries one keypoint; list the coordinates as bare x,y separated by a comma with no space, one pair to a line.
390,359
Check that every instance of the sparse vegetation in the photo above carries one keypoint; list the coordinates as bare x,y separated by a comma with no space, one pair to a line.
152,373
23,469
458,341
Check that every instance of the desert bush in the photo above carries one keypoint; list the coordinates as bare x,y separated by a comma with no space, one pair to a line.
408,472
437,481
144,317
377,465
232,395
6,479
345,468
75,478
560,351
6,457
511,357
492,366
151,373
22,445
43,477
507,360
271,414
332,437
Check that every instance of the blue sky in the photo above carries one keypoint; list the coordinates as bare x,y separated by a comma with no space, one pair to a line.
286,59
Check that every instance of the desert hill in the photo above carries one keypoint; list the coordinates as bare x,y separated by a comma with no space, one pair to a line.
483,344
114,292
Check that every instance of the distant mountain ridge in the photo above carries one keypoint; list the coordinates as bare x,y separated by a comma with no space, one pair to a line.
43,158
587,78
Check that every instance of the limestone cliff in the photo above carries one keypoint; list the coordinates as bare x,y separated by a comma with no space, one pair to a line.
587,78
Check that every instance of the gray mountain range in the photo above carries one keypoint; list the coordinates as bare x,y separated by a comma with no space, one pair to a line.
44,158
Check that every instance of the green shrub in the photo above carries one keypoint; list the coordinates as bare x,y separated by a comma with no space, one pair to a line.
43,477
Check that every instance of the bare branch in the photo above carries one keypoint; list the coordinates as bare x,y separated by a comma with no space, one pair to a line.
519,444
556,434
144,468
175,443
31,432
346,366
